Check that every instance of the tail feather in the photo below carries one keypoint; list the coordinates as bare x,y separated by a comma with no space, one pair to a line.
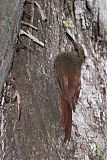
66,119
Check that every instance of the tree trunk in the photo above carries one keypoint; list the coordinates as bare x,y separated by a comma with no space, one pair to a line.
10,13
37,134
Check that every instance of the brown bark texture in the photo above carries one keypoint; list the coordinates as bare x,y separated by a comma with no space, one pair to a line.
37,135
10,13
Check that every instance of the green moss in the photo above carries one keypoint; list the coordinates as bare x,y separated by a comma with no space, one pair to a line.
66,23
98,153
67,12
95,151
100,157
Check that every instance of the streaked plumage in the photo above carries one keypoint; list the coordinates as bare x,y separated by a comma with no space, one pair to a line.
68,70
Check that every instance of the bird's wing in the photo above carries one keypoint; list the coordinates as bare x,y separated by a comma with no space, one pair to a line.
74,89
69,82
70,86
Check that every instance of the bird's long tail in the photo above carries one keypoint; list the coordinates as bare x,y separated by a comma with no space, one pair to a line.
66,119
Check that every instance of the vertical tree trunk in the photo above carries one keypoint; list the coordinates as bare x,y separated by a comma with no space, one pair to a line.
36,135
10,13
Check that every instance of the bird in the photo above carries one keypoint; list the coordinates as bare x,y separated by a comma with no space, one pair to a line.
67,65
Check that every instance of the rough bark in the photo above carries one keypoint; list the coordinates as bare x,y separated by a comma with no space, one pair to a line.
10,13
36,135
